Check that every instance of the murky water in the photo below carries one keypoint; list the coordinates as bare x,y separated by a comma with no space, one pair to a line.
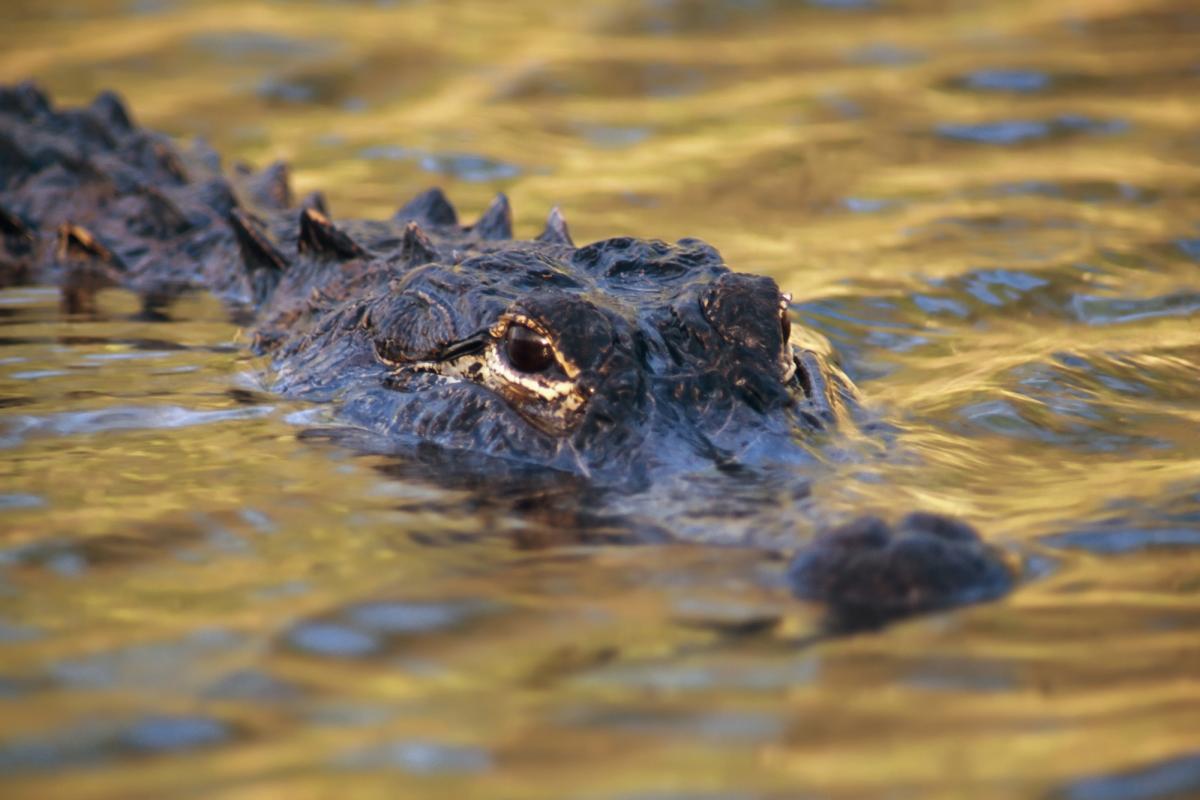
993,209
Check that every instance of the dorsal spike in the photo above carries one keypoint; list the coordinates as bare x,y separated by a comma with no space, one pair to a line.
109,109
36,101
15,163
77,244
202,154
170,162
87,170
218,195
556,231
319,238
160,218
264,264
316,201
25,99
154,152
430,207
496,222
84,128
416,248
10,100
90,267
257,250
17,244
14,230
270,187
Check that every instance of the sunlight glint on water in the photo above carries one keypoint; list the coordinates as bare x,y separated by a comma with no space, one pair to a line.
993,209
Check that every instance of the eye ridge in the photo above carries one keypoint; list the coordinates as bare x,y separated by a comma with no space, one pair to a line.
526,350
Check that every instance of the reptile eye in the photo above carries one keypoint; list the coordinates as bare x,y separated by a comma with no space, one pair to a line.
526,349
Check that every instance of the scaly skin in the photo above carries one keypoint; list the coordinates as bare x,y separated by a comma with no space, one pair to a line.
624,361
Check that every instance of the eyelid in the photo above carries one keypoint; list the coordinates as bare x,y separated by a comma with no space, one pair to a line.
471,345
501,326
507,320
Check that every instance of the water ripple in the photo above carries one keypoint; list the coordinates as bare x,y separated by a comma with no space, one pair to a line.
1171,778
1024,131
419,757
1007,80
17,429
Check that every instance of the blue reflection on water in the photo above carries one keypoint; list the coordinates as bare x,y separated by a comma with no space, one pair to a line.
886,54
163,734
419,757
1024,131
467,166
1007,80
20,501
1096,310
1177,777
866,205
329,639
252,685
397,617
1004,132
1123,540
92,743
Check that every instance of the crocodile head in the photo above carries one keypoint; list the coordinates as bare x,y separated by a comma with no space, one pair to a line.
616,360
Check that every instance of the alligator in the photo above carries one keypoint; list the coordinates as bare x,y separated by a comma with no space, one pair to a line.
625,362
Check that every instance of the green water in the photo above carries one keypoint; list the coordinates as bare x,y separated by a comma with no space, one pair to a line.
991,208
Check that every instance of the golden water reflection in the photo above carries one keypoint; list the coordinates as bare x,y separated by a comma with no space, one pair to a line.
991,208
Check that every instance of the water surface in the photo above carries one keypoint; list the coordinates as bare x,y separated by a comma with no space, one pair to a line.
993,210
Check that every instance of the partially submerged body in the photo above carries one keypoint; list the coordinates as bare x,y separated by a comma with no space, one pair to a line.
625,361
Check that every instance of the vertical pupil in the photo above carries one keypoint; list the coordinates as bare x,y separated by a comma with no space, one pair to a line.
527,350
